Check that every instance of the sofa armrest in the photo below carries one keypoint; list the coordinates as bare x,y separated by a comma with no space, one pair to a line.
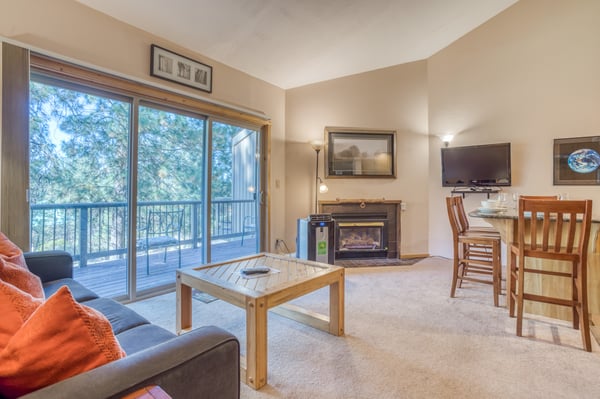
204,363
50,265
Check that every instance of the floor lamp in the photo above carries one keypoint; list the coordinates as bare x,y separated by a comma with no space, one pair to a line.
320,187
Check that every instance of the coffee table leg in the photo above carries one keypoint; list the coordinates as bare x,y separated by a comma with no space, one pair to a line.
184,307
256,343
336,306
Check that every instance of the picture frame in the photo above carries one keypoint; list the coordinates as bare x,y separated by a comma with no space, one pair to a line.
360,153
177,68
577,161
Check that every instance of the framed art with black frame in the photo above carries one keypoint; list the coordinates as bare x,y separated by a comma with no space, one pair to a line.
360,153
171,66
577,161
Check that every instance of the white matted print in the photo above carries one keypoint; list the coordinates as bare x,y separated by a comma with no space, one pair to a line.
168,65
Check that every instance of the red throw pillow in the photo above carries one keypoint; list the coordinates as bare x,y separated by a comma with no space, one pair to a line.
10,252
21,278
15,307
62,338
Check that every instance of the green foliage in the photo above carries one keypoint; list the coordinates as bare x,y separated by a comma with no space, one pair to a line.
78,146
222,160
79,150
170,161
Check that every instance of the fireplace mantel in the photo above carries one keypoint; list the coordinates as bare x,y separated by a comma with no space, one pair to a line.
391,208
361,200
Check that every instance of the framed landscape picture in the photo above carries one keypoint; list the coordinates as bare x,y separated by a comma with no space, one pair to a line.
168,65
577,161
360,153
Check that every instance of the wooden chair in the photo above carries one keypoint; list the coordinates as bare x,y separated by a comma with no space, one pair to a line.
464,220
540,197
560,231
476,254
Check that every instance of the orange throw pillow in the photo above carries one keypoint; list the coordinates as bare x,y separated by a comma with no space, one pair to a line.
62,338
21,278
15,307
10,252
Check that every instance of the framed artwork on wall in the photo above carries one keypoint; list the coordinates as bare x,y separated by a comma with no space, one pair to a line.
361,153
577,161
171,66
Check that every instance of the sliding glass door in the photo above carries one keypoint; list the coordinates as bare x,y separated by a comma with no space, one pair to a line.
235,191
78,176
170,182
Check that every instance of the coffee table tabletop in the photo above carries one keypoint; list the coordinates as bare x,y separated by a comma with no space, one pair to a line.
288,278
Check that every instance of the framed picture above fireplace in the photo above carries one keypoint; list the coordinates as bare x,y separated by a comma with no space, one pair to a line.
360,153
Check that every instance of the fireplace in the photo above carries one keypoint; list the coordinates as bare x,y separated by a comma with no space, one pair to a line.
361,236
365,228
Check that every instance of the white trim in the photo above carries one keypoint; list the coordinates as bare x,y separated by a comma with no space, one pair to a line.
135,79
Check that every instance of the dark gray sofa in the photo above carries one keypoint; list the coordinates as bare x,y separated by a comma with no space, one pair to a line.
204,363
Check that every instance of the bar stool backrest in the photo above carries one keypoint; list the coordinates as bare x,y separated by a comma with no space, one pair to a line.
540,197
564,215
456,216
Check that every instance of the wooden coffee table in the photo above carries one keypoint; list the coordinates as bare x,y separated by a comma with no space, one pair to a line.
289,278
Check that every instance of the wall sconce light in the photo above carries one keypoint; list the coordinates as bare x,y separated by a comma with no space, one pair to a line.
447,138
320,186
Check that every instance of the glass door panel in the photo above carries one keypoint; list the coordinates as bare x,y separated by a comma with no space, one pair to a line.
170,181
78,174
235,192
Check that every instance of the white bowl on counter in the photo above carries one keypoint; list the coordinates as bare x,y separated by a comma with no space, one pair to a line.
492,206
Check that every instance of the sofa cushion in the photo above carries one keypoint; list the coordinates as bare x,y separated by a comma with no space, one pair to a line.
50,265
79,292
21,278
143,337
121,317
67,339
11,252
15,307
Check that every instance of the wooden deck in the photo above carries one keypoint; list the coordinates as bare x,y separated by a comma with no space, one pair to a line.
109,278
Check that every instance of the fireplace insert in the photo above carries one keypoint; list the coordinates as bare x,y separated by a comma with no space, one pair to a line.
361,237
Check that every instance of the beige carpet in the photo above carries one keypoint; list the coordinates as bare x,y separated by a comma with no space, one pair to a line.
405,338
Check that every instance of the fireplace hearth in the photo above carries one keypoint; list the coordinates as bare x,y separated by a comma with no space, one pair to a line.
365,228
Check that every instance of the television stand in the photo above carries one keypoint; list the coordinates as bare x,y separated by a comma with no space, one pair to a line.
475,190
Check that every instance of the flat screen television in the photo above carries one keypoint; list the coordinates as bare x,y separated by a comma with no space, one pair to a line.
477,165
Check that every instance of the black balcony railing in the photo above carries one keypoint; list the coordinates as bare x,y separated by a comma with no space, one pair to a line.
98,231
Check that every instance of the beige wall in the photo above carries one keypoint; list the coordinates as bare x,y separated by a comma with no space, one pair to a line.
392,98
69,29
529,75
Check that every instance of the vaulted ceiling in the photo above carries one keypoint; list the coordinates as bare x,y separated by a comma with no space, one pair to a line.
291,43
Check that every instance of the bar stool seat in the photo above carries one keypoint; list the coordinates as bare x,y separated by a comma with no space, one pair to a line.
560,231
476,253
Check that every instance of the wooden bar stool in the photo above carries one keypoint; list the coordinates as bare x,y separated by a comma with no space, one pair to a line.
553,230
540,197
476,253
464,220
